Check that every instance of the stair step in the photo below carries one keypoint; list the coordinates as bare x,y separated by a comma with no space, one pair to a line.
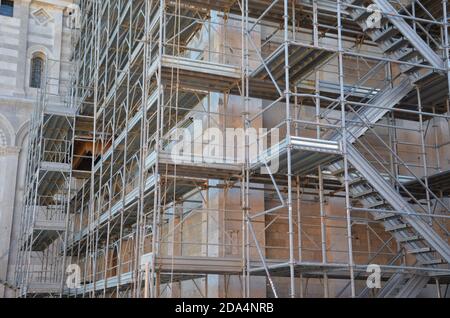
408,69
364,193
420,250
385,34
395,228
437,261
376,204
407,55
395,45
341,171
409,239
385,216
356,181
360,15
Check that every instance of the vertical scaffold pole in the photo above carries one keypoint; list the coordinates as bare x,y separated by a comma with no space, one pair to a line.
287,94
344,148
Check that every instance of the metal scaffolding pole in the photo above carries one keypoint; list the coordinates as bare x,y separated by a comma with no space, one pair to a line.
344,99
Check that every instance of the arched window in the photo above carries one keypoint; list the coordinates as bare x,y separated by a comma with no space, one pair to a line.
37,70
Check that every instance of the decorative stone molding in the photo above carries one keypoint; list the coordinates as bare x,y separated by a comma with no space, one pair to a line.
3,140
73,14
41,16
9,151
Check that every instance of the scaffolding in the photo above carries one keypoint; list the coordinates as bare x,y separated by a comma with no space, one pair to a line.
352,98
48,185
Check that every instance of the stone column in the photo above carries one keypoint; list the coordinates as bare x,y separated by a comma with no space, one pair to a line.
58,15
22,12
9,157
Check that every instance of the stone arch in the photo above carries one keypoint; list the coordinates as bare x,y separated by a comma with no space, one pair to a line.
39,49
7,134
22,133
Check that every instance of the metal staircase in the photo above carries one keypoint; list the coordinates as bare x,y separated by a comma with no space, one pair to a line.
377,107
372,189
402,285
399,41
396,38
410,230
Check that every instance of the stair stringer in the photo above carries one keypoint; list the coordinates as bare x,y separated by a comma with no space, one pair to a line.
403,285
419,44
397,202
413,287
376,109
387,99
393,282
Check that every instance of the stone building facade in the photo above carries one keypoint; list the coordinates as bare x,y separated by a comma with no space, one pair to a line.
33,35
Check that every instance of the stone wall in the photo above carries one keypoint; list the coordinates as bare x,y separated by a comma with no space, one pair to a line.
36,27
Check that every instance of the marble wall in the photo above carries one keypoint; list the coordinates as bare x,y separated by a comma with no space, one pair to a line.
36,27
